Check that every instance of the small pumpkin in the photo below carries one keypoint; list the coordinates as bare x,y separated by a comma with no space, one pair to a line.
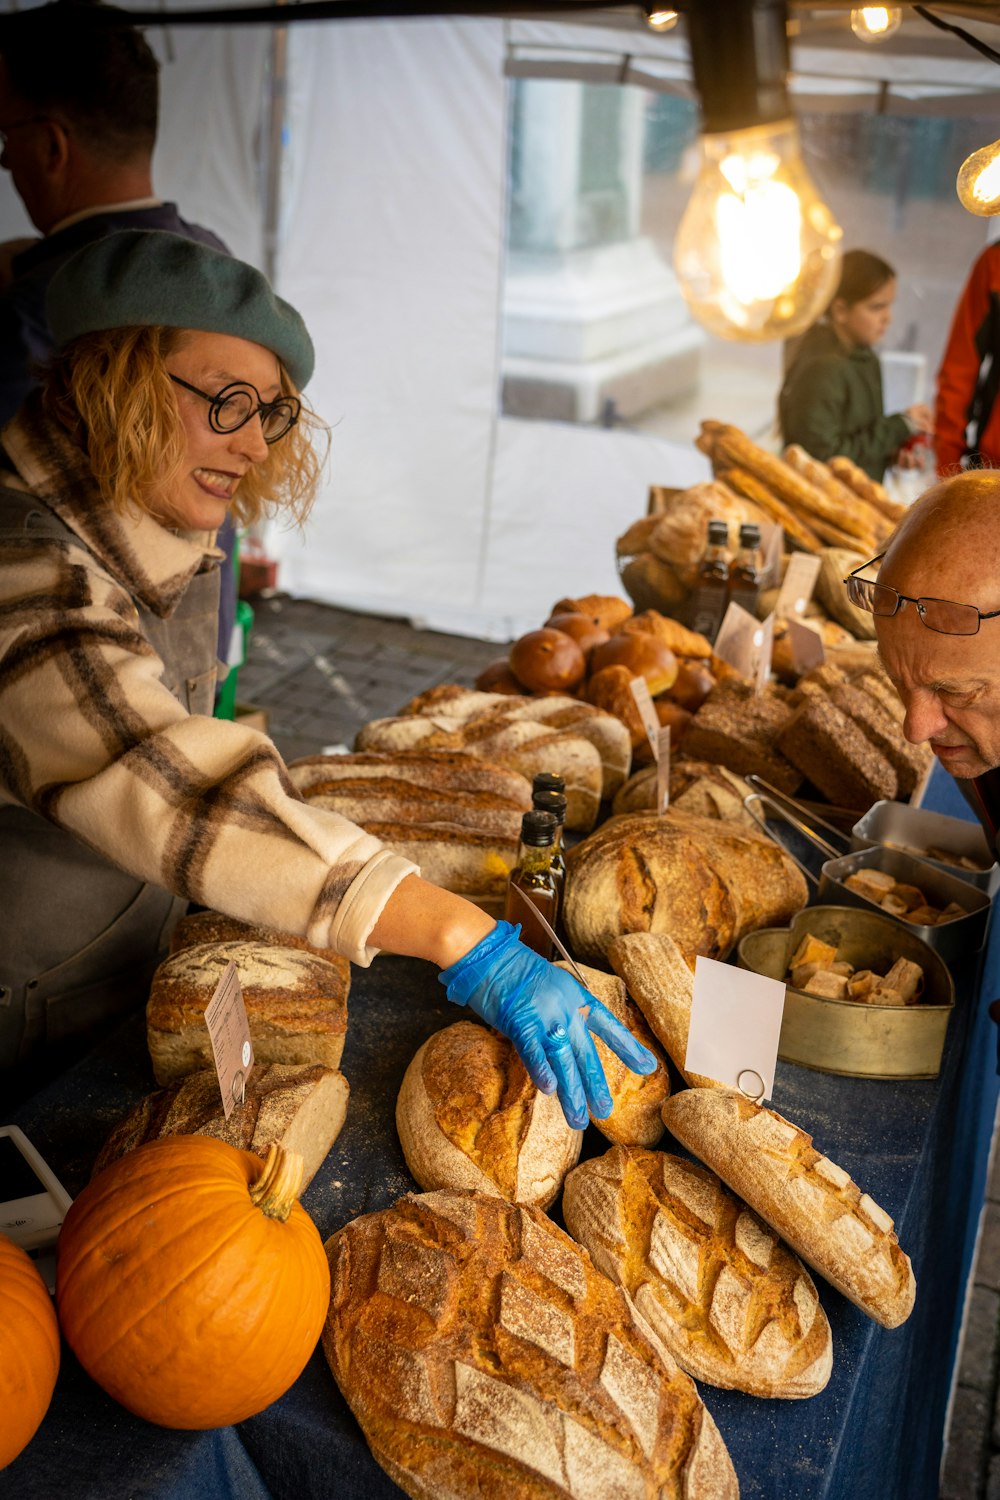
191,1285
29,1349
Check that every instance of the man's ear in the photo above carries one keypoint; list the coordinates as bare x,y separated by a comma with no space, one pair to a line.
56,147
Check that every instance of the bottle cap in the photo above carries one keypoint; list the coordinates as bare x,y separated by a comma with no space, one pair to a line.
553,802
538,828
548,781
749,534
718,533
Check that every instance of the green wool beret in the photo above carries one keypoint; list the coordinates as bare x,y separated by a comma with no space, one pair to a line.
154,279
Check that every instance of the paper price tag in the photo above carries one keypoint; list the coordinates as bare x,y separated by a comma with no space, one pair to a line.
746,643
229,1032
808,650
663,770
735,1025
772,539
797,585
647,713
764,646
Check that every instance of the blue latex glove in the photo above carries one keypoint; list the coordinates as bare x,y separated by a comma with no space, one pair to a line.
538,1007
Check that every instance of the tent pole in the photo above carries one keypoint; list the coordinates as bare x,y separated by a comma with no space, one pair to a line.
277,103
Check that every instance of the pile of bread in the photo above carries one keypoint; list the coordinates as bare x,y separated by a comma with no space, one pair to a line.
900,899
816,969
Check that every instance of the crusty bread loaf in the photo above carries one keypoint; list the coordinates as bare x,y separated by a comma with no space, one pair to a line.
468,1116
484,1356
739,728
606,610
704,882
732,1304
519,744
301,1108
296,1006
636,1098
215,927
835,754
653,583
908,761
556,710
675,636
696,786
661,982
807,1199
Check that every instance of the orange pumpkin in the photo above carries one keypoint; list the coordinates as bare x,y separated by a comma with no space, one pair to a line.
29,1349
191,1286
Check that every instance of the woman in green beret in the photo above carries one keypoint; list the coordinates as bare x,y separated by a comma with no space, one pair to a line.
174,399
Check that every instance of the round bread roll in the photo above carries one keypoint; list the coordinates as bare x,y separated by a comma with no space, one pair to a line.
468,1116
604,609
681,640
496,677
547,661
643,654
692,686
609,689
585,631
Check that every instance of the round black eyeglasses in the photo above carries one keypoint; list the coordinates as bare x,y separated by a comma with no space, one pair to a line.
235,405
941,615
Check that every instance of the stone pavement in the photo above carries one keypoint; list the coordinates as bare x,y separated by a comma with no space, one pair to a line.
322,672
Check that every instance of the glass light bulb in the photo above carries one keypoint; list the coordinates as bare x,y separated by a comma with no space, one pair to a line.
873,22
662,19
979,181
757,252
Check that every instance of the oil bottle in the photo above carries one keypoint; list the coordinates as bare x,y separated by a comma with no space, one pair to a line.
744,575
531,885
711,591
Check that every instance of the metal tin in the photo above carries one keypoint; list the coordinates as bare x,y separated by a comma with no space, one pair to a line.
954,940
913,830
847,1036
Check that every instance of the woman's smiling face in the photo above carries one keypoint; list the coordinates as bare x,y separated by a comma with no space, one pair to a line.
214,462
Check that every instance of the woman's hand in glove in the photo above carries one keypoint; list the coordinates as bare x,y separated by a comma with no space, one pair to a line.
548,1016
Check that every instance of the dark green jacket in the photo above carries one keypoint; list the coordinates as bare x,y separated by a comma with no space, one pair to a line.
831,402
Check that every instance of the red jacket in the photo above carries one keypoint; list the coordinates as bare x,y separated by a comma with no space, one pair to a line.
965,394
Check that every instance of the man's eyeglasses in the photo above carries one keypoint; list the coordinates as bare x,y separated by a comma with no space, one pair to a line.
942,615
235,405
6,130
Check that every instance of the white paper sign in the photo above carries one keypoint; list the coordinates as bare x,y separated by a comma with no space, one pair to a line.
772,539
735,1025
663,770
229,1030
735,640
764,647
808,650
647,713
797,585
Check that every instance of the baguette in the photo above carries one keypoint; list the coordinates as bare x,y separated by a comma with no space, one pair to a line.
808,1200
484,1356
301,1108
660,981
849,473
732,1304
734,449
754,489
468,1116
846,499
636,1098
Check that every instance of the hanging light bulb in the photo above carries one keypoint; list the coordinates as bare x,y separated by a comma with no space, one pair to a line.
661,19
757,253
873,22
979,181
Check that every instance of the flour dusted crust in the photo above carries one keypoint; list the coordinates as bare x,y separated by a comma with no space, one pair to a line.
702,881
215,927
300,1108
486,1359
296,1006
661,983
636,1098
810,1201
732,1304
468,1116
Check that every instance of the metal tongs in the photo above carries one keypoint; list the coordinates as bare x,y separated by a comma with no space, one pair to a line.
768,806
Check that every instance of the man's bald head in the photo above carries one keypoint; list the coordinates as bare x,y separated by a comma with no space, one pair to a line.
948,543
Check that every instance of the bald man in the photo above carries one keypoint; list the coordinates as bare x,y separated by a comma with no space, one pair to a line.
936,601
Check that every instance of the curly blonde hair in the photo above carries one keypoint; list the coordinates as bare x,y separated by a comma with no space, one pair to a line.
111,393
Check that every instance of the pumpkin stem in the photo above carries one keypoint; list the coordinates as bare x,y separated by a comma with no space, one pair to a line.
280,1183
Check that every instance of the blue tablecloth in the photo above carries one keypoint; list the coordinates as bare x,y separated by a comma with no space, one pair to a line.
919,1148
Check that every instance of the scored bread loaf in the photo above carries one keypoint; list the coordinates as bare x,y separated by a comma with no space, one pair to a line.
846,499
851,474
636,1098
468,1116
807,1199
661,983
519,744
215,927
732,1304
484,1356
704,882
296,1006
301,1108
556,710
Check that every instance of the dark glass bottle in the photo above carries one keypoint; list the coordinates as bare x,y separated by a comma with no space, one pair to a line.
711,591
531,885
555,803
744,575
547,781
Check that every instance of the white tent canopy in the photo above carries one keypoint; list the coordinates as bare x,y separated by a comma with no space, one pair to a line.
392,245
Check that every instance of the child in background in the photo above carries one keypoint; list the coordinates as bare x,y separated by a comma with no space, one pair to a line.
831,401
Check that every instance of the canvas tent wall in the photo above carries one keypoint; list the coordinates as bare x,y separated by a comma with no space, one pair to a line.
392,243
